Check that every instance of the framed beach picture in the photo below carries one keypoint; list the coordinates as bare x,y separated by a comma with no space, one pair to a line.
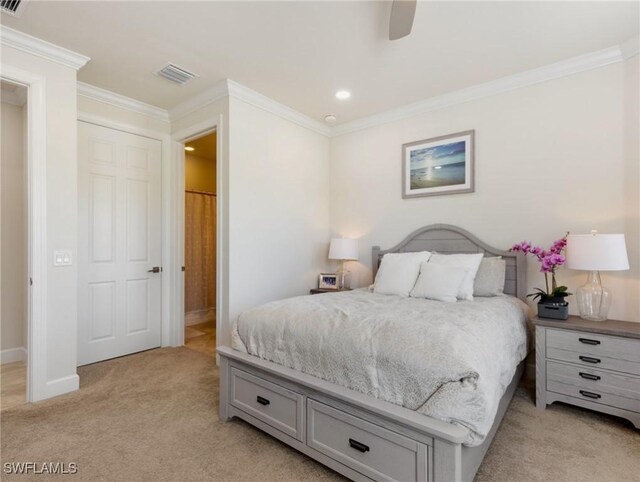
442,165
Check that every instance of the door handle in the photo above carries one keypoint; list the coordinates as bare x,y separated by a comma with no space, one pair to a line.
155,269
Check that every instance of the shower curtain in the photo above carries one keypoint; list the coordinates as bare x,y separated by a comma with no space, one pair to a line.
200,251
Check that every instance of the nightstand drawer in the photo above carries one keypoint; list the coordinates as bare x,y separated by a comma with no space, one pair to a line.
597,380
595,344
595,396
586,359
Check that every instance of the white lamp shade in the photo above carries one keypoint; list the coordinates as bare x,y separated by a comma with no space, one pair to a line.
597,252
343,248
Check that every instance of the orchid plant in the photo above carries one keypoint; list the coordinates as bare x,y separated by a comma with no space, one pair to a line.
550,260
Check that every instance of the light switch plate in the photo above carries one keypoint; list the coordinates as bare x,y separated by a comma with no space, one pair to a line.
62,257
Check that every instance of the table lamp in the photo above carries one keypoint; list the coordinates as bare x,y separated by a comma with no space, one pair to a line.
595,252
343,249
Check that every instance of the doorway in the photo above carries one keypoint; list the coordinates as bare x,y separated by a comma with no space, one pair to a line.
14,267
200,250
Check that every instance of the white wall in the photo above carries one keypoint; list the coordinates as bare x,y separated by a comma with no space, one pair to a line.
61,195
278,207
550,158
13,218
631,190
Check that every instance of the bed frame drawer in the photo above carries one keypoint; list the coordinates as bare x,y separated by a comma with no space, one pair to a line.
367,448
594,380
274,405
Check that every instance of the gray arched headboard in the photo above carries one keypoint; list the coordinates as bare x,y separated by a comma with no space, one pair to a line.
447,239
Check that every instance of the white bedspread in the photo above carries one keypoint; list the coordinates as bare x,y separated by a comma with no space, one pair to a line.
451,361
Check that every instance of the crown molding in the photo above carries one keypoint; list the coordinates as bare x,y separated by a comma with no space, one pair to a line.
265,103
41,48
556,70
214,93
229,88
117,100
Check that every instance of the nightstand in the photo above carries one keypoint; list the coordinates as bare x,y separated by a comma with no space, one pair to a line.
317,291
590,364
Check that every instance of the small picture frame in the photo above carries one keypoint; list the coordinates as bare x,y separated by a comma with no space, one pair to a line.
328,281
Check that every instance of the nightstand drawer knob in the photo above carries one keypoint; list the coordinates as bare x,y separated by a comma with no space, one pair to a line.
589,359
589,341
595,396
589,376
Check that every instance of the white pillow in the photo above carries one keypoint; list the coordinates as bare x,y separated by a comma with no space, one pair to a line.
490,277
398,273
439,282
469,261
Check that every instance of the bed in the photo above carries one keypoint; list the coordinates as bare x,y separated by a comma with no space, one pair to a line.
370,412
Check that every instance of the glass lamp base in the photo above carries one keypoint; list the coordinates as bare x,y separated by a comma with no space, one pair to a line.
593,299
344,277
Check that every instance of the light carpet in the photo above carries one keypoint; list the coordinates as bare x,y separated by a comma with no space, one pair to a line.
153,416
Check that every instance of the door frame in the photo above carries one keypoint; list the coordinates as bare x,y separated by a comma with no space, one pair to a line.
36,197
167,338
179,138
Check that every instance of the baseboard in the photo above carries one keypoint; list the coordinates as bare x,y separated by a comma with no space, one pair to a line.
200,316
62,386
11,355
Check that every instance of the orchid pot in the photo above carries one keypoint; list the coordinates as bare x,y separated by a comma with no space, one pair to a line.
552,299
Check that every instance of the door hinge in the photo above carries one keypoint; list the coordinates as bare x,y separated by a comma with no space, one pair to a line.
183,268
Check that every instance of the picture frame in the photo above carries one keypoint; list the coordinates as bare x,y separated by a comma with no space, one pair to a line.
328,281
440,165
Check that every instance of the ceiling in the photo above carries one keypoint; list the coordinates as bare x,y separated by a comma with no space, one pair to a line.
300,53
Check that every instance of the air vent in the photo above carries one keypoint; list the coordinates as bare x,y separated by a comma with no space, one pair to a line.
175,74
12,7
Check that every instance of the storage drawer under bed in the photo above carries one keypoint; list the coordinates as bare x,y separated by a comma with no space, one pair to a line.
367,448
277,406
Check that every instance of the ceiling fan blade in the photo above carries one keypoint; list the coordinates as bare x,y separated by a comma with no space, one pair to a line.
401,20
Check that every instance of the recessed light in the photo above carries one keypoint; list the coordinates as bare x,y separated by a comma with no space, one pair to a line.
189,148
330,118
343,94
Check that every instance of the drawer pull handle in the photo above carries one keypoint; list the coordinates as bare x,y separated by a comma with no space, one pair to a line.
360,447
589,359
588,341
589,376
262,400
595,396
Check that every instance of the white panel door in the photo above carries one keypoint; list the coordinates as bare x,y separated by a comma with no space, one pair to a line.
119,184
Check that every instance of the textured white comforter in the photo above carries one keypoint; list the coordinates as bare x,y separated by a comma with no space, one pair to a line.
451,361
